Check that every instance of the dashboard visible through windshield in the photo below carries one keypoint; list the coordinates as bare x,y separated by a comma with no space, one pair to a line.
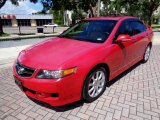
90,30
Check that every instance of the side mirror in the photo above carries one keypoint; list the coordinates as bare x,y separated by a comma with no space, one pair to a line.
123,38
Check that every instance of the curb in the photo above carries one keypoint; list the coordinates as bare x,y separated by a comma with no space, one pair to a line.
28,36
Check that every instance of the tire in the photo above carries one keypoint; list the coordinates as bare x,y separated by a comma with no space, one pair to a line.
94,85
146,54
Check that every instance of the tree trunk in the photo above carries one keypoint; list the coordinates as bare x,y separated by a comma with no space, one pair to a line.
93,10
150,17
1,27
150,20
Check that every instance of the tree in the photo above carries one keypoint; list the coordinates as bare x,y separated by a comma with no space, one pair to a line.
148,8
2,2
143,9
85,5
90,5
14,2
77,15
57,16
110,7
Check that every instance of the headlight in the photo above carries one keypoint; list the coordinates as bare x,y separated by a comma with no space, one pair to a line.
55,74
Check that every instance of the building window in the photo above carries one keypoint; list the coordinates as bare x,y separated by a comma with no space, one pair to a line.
41,22
6,22
24,22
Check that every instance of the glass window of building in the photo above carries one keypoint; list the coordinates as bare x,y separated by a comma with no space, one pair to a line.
6,22
41,22
24,22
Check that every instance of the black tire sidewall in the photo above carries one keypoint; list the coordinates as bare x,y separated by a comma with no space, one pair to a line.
85,94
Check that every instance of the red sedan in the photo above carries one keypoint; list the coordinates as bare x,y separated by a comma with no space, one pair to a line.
78,63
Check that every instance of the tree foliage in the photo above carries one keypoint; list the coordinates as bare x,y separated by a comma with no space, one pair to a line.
143,9
85,5
58,16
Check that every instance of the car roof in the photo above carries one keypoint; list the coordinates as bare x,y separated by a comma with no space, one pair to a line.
110,18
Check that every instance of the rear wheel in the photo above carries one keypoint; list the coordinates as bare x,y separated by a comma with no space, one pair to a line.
146,54
95,84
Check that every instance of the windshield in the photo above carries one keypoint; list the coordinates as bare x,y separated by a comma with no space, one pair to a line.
90,30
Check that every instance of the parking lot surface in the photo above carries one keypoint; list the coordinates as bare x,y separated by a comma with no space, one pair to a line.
134,95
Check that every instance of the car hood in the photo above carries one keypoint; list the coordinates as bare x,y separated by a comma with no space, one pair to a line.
52,53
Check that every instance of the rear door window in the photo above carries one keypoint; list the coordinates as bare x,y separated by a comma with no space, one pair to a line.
124,28
137,27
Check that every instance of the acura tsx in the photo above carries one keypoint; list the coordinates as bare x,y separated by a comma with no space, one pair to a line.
78,63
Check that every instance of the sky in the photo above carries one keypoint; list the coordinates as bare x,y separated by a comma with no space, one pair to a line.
25,7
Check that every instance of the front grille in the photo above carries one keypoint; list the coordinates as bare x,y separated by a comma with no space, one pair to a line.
24,71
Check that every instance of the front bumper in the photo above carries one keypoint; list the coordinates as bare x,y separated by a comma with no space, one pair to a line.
55,92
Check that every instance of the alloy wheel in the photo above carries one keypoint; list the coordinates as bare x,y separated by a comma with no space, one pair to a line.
96,84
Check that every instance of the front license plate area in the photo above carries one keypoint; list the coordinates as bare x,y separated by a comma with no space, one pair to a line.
19,83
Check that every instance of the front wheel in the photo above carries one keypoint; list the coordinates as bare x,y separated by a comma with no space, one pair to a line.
95,84
146,54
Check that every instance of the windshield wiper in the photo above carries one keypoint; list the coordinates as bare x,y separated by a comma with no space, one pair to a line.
63,36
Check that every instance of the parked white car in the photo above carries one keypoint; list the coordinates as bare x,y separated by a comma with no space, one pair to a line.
51,25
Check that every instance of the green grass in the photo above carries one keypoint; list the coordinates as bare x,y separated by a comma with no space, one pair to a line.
23,34
4,35
154,26
50,32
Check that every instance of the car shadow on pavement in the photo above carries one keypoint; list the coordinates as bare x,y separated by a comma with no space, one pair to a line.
61,108
81,102
123,74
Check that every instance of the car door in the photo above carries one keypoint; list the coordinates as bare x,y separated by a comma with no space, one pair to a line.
122,52
126,47
140,37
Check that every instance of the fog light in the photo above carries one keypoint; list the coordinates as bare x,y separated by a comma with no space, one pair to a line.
43,95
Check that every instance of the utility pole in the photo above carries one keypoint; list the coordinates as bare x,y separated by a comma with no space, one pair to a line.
99,6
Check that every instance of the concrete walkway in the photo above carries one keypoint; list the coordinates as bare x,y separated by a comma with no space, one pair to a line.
9,50
156,38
